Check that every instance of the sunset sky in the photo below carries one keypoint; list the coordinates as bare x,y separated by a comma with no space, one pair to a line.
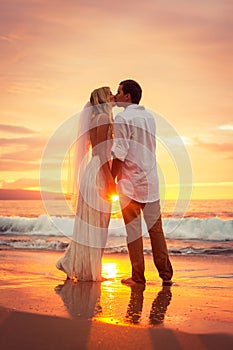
54,53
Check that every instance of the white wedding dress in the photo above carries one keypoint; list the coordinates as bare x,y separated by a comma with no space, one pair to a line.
82,259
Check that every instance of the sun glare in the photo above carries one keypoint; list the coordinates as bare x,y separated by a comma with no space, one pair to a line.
115,197
109,270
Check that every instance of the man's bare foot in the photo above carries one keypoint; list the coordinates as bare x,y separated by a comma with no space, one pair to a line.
129,282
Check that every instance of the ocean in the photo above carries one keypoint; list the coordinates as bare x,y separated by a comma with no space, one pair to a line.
206,228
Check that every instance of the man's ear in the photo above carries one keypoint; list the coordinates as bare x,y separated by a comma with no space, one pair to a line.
128,97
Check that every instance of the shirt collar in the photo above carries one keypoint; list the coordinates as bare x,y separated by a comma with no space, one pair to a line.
135,106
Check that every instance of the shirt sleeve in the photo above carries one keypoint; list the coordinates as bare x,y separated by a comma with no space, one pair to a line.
121,138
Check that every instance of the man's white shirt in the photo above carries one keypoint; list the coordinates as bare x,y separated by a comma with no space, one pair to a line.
135,145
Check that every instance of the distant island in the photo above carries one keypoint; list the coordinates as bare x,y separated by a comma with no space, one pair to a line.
18,194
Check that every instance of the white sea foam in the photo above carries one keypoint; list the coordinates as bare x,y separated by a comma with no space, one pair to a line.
208,229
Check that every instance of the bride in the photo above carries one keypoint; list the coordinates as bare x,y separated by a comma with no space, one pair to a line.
94,185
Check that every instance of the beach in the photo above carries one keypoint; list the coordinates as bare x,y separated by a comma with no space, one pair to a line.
41,310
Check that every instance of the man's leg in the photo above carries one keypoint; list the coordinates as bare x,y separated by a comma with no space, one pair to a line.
153,220
131,211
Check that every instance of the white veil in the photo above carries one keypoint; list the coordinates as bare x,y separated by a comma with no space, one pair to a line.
79,154
63,163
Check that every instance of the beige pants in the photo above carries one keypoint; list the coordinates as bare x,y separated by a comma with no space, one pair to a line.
131,211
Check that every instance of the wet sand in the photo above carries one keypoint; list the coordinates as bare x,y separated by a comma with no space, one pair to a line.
40,310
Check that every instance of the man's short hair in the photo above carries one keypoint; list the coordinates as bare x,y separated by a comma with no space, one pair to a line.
133,88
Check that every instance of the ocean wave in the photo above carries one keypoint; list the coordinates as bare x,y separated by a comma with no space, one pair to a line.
207,229
43,225
202,251
210,229
59,245
37,244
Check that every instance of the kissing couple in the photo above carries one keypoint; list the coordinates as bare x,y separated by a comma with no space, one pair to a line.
123,159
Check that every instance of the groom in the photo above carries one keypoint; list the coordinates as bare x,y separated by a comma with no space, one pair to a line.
134,165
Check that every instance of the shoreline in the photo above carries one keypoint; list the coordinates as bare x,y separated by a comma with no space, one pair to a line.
196,309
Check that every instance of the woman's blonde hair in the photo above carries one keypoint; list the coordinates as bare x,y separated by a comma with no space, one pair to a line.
100,100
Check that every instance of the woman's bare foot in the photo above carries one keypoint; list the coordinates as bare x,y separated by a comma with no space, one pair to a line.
103,279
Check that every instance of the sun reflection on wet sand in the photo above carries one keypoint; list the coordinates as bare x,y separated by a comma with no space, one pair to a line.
198,301
122,305
109,270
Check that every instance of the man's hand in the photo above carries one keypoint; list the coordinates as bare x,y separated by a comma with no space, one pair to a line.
116,167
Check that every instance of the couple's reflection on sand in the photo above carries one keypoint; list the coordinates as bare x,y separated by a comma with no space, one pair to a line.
158,308
81,299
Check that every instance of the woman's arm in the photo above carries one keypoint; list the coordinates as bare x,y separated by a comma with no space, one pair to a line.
103,125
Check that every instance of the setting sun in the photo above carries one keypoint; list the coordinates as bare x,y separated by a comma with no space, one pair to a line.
114,197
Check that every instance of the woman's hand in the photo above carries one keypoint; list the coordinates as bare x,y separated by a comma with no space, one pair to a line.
111,189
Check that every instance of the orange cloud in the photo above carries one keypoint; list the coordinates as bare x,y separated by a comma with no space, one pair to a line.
216,147
24,155
22,183
26,141
21,153
17,166
16,129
